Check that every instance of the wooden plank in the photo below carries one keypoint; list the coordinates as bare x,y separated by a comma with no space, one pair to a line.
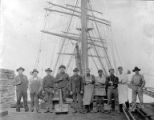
3,113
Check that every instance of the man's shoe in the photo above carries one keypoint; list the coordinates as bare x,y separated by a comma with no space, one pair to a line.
32,110
26,110
74,111
38,111
51,111
17,110
47,111
102,110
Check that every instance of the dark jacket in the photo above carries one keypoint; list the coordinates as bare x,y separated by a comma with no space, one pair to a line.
21,82
114,81
48,81
76,84
62,79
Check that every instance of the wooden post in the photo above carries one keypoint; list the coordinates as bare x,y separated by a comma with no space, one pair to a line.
84,45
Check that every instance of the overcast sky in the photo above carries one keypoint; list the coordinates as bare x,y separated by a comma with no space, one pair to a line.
132,32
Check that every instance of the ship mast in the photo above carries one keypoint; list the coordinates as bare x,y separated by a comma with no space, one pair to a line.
84,45
84,41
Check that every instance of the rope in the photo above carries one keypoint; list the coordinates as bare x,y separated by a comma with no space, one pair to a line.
94,61
98,56
40,44
70,61
62,46
100,36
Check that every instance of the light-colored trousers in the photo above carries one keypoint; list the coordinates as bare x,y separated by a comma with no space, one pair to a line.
137,92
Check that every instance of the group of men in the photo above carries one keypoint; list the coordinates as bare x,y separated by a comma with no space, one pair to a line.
88,92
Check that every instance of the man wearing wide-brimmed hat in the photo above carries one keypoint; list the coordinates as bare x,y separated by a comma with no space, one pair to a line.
48,87
21,83
35,88
62,81
137,84
76,89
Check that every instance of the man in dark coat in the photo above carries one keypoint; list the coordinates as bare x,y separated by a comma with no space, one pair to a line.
48,87
76,89
21,83
62,81
112,88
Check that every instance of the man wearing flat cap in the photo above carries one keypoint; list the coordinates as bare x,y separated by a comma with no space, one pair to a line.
62,81
48,87
35,87
21,83
137,84
76,89
99,91
112,89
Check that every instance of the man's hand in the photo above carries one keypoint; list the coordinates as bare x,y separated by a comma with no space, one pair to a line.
140,88
81,92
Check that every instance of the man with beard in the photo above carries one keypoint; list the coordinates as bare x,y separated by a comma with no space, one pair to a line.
62,81
89,81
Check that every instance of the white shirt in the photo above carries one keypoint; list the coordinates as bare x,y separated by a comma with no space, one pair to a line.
123,78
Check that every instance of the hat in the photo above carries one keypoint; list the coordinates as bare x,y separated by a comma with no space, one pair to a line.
20,68
76,70
100,70
35,70
62,66
136,69
120,67
48,69
111,69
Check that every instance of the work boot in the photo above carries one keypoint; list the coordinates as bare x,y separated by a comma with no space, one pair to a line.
127,104
18,110
38,111
47,111
120,107
141,106
32,110
74,111
26,109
